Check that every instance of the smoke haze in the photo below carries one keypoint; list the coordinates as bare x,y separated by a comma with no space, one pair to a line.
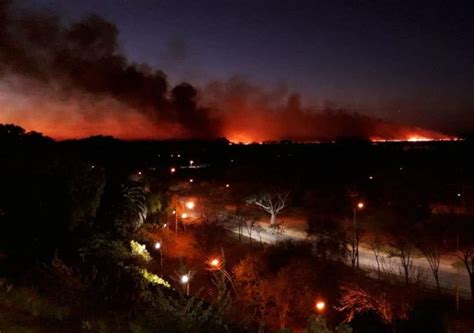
72,80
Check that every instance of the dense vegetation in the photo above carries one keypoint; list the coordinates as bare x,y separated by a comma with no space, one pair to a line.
78,222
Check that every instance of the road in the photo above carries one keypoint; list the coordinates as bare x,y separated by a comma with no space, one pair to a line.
450,278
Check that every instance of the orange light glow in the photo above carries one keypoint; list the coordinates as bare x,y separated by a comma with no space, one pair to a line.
190,204
417,138
320,306
425,136
215,262
173,170
360,205
244,138
184,216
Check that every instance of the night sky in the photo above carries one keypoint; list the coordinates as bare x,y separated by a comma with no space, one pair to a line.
408,61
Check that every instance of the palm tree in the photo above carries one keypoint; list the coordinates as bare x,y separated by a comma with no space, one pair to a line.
133,210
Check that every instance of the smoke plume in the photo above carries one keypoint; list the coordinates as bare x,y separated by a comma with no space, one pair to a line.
72,80
81,65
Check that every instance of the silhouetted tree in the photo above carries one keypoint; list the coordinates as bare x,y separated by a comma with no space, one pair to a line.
273,204
131,209
430,243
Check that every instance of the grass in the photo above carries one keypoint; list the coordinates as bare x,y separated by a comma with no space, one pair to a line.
24,310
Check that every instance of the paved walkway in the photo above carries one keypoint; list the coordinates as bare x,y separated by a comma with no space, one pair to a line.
450,278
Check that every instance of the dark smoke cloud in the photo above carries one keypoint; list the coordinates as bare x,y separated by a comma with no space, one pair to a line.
84,57
253,114
76,75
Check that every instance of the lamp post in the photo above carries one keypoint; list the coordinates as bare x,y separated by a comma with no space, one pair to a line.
189,205
184,279
158,248
356,236
217,264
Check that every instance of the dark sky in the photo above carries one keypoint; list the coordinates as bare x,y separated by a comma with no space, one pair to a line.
409,61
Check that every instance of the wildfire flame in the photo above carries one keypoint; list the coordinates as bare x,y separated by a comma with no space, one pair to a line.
417,138
242,138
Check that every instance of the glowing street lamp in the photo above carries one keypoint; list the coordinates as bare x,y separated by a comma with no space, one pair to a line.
227,185
173,170
191,163
320,306
184,279
189,205
215,263
191,180
158,248
355,237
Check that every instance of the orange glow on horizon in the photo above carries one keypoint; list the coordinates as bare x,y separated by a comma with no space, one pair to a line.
77,118
63,121
417,138
242,138
248,119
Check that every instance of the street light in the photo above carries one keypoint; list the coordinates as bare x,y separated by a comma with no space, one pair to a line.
158,248
184,279
215,262
355,236
227,185
173,170
189,205
320,306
